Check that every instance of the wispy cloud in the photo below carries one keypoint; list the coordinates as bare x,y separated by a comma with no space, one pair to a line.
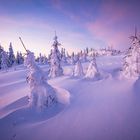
113,25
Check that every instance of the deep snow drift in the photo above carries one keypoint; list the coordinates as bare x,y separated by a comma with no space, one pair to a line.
103,109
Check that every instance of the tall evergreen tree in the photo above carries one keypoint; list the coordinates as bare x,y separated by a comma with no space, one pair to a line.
55,60
72,59
1,50
131,66
63,56
19,58
78,69
40,59
42,94
92,71
4,60
11,55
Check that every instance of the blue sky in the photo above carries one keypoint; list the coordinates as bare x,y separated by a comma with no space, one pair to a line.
78,23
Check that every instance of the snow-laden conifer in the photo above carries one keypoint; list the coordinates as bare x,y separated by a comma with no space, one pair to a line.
11,55
4,61
92,71
55,60
42,94
131,65
78,69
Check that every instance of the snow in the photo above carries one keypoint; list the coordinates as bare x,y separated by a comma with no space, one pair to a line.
92,71
105,109
136,87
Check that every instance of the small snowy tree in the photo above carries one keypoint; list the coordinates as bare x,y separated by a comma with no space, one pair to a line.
55,60
78,69
19,58
84,56
40,59
63,56
42,94
87,50
1,50
131,66
11,55
45,60
72,57
92,71
4,61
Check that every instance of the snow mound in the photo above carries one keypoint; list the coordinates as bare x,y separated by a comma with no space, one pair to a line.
19,109
63,96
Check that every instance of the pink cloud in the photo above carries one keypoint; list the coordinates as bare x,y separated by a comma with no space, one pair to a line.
111,25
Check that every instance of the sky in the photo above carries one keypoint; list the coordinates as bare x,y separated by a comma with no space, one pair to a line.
78,23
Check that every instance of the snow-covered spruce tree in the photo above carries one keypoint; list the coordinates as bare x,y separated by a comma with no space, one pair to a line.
78,69
80,55
11,55
42,94
4,61
92,71
1,50
131,66
72,59
94,53
63,56
40,59
45,60
76,57
19,58
84,56
55,60
87,50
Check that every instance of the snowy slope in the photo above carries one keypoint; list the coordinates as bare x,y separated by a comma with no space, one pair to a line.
107,109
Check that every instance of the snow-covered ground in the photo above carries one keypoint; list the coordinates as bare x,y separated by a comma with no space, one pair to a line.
104,109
